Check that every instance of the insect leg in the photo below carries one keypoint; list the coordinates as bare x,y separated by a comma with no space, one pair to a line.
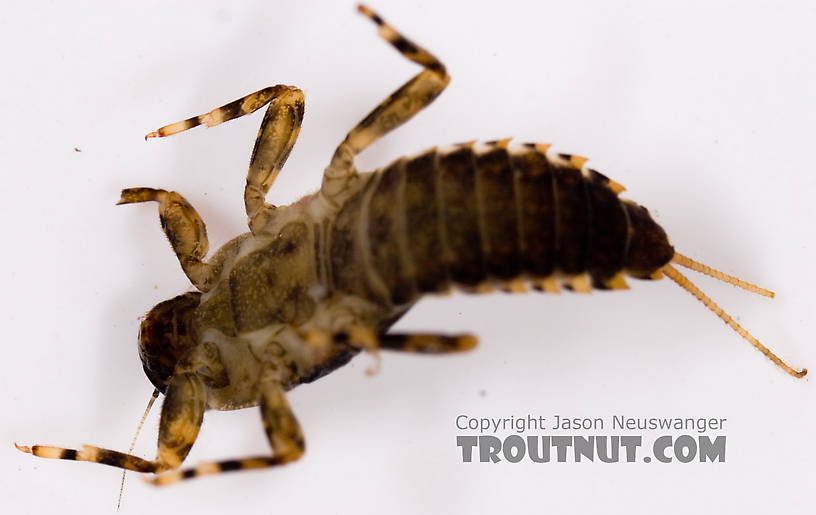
395,110
366,339
282,430
181,417
428,343
184,228
276,137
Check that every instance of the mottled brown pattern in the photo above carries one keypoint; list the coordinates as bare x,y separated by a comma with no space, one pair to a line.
347,249
216,312
387,235
316,282
252,296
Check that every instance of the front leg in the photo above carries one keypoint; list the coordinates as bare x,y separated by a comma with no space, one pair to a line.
181,417
184,229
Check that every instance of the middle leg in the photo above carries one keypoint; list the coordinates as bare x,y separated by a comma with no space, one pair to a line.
276,137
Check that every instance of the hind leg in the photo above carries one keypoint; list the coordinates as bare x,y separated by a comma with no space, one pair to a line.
395,110
366,339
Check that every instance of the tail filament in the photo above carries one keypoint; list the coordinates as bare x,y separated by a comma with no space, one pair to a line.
687,285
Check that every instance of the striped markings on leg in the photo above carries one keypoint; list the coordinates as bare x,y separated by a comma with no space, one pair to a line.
402,104
396,109
366,339
218,467
94,455
406,47
282,430
235,109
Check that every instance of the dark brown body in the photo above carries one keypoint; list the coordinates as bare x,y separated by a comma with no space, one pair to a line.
471,216
340,266
477,214
321,279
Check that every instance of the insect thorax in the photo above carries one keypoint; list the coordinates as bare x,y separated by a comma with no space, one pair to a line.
248,327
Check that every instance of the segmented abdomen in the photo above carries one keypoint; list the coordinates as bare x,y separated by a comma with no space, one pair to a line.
472,214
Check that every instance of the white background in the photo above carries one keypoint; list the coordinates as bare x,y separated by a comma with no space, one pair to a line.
704,110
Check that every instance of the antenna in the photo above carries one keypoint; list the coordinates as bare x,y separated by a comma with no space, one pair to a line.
133,442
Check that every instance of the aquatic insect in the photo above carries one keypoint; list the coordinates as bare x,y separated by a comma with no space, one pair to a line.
314,283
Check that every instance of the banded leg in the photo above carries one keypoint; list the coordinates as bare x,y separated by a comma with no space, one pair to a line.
184,229
395,110
282,431
181,417
366,339
428,343
276,137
